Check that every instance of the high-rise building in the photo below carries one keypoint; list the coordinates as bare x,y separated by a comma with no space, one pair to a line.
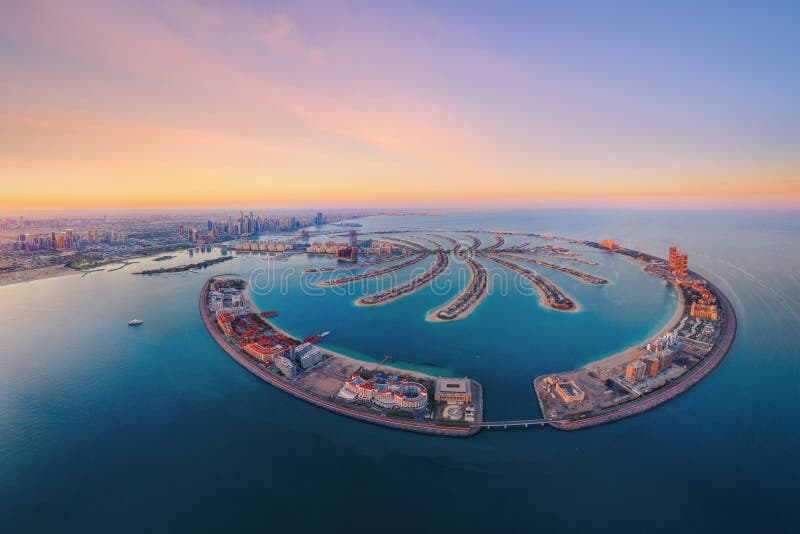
285,366
320,220
651,365
706,311
678,263
635,371
353,239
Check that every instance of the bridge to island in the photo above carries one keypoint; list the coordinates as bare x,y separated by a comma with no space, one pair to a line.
519,423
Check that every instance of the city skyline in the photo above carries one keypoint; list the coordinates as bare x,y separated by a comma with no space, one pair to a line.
127,105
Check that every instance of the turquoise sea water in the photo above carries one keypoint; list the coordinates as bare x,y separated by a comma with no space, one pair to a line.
105,427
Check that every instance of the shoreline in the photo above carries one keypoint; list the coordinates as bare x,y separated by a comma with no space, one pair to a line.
653,398
55,271
428,428
39,273
577,275
335,282
351,359
430,272
617,358
433,316
544,302
671,390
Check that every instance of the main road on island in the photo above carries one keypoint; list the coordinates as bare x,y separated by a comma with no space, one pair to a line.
441,429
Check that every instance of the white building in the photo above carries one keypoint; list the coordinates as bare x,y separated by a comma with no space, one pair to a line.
403,394
301,349
310,358
285,366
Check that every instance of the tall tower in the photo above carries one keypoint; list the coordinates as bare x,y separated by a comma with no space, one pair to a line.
678,263
353,239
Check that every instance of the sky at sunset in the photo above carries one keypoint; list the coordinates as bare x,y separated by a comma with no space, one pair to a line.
399,104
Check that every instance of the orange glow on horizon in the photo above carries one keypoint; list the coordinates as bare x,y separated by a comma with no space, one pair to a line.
245,105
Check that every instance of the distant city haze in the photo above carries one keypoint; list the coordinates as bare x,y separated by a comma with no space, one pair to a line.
120,105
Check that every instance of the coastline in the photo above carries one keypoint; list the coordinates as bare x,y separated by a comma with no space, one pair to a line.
54,271
429,428
658,397
648,400
32,275
360,301
349,359
544,302
431,317
621,357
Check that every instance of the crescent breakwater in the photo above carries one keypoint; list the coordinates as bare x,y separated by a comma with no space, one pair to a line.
602,391
672,389
320,376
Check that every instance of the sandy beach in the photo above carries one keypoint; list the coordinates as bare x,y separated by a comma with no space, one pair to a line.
621,357
346,361
30,275
432,316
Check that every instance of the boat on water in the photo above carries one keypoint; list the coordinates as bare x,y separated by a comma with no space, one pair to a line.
134,322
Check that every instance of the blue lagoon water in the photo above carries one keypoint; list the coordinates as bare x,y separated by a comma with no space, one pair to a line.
105,427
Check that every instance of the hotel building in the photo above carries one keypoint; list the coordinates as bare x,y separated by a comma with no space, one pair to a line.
402,395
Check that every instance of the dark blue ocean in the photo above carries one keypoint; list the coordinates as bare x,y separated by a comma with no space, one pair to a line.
109,428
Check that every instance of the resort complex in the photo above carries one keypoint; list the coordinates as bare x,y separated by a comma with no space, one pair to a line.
325,378
637,379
